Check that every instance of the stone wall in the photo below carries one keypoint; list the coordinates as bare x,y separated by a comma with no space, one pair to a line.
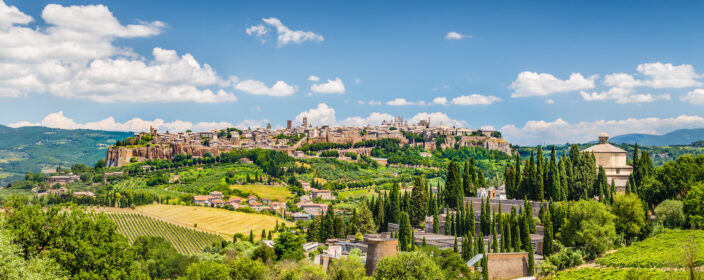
507,265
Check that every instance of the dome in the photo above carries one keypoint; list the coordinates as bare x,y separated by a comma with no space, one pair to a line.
603,134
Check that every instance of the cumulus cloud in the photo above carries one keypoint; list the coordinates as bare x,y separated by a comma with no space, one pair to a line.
452,35
373,119
254,87
313,78
560,131
332,86
475,99
543,84
285,34
695,97
656,75
622,95
75,56
59,120
320,115
438,118
440,100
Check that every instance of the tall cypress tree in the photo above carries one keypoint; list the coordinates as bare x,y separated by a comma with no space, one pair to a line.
467,183
554,177
436,223
601,187
395,204
485,268
404,232
548,233
453,186
539,172
454,246
419,202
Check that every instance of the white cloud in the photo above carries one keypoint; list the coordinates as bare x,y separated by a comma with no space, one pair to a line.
657,75
438,118
487,127
332,86
403,102
560,131
695,97
257,31
371,102
254,87
373,119
475,99
440,100
321,115
543,84
74,56
622,95
59,120
313,78
550,101
452,35
285,35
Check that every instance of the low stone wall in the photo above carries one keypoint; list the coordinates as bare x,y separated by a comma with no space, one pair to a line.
507,265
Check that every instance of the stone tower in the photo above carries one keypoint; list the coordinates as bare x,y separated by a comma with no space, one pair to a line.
305,122
377,249
289,124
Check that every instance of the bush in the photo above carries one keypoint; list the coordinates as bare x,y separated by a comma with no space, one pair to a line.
694,205
331,153
589,225
407,266
670,213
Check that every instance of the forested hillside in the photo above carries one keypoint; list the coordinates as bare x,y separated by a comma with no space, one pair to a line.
30,149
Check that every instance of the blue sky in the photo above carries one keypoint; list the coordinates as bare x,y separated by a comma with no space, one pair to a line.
542,73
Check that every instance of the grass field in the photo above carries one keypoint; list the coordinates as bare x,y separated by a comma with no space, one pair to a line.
185,240
280,193
220,221
353,194
662,250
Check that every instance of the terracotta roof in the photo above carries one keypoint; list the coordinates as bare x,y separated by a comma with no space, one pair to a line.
201,197
604,148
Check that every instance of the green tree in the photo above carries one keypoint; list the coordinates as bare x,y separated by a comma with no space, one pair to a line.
467,182
453,186
553,178
365,220
694,205
289,246
159,259
346,268
210,270
670,213
247,269
590,225
630,217
394,199
409,266
14,267
547,233
404,233
419,202
264,254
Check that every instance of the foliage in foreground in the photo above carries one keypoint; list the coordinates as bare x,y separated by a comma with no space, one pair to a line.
662,250
618,274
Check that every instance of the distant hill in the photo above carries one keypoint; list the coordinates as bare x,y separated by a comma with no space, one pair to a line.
30,149
677,137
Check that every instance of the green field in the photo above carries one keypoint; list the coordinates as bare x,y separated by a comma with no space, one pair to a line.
275,193
618,274
185,240
356,194
662,250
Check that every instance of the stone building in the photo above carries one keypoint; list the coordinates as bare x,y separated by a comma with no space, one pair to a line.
613,159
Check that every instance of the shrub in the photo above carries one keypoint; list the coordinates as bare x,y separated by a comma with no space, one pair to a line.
694,205
670,213
408,266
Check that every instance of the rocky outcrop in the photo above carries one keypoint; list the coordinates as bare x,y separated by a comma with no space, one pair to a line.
120,156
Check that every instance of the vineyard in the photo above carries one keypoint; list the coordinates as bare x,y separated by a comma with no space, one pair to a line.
618,274
185,240
662,250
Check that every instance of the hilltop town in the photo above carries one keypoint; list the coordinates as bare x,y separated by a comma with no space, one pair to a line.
291,139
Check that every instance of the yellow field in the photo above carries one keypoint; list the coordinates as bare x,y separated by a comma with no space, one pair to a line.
220,221
277,192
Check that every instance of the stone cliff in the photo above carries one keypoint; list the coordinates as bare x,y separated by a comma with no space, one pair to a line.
120,156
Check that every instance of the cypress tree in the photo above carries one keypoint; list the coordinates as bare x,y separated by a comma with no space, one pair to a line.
454,247
436,224
548,233
404,232
453,186
516,236
352,228
395,204
508,247
481,181
539,172
482,218
251,236
485,267
269,236
531,259
424,244
494,241
612,190
517,178
419,202
601,187
554,177
467,183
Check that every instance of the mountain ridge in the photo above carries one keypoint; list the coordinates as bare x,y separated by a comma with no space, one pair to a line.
675,137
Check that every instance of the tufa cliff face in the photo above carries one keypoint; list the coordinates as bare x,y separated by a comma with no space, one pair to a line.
120,156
